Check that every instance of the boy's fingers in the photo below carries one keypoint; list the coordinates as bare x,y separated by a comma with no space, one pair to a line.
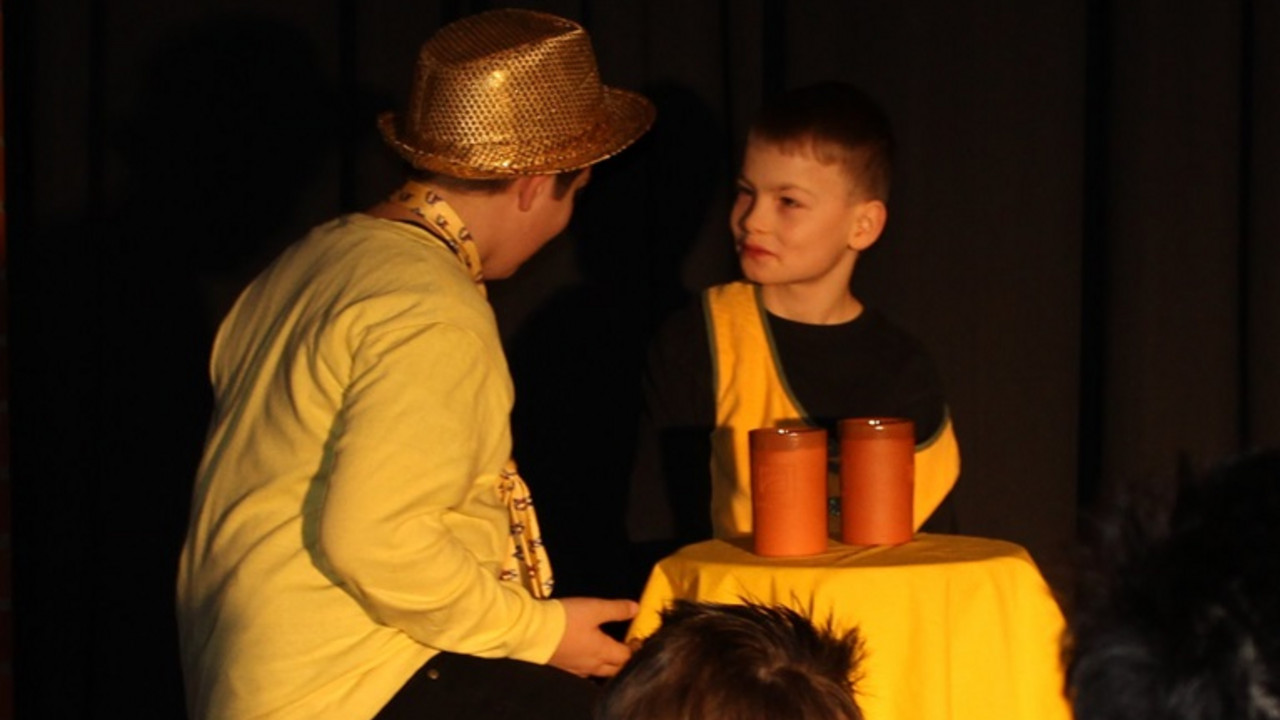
617,610
616,654
608,670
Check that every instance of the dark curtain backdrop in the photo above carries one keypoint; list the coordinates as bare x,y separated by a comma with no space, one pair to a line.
1084,229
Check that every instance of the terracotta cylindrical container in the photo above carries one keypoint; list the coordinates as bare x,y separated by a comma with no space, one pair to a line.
877,480
789,491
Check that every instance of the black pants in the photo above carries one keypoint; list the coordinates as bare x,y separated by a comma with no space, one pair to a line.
472,688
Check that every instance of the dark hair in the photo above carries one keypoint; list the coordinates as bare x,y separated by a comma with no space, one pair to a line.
838,124
736,662
1177,616
563,181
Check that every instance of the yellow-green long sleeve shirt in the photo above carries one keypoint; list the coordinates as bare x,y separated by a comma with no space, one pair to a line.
346,522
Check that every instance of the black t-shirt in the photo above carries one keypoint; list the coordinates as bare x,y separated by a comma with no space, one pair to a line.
865,367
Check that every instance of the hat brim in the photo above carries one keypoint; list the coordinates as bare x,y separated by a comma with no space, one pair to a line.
625,117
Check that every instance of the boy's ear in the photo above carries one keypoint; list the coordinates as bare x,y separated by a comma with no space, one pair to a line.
868,222
530,188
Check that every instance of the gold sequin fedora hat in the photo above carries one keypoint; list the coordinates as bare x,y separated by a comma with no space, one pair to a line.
512,92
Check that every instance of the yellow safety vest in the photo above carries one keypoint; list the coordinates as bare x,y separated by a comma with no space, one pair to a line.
751,393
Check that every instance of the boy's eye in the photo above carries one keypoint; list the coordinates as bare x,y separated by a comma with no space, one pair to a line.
789,202
744,190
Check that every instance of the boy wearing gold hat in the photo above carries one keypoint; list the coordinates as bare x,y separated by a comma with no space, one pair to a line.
360,542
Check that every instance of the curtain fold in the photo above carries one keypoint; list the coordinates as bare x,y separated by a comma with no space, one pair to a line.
1261,170
1188,324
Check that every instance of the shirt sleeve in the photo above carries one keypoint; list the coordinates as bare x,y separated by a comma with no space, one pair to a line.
921,397
937,453
408,523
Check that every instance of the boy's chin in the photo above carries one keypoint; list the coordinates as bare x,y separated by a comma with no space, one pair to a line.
752,272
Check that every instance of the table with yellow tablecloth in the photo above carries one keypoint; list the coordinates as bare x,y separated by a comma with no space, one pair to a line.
954,627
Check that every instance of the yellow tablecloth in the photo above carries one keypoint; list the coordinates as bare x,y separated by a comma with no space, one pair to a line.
955,627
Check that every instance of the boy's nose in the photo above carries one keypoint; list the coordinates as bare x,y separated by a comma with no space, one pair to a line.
752,218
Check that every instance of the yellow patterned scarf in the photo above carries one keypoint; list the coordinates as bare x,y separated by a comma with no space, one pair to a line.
527,560
434,215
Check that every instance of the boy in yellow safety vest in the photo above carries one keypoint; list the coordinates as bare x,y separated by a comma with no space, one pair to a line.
790,343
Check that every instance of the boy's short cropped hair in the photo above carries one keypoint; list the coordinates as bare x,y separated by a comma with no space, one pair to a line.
837,124
715,661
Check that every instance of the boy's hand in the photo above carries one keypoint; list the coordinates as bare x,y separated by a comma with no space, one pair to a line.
585,649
